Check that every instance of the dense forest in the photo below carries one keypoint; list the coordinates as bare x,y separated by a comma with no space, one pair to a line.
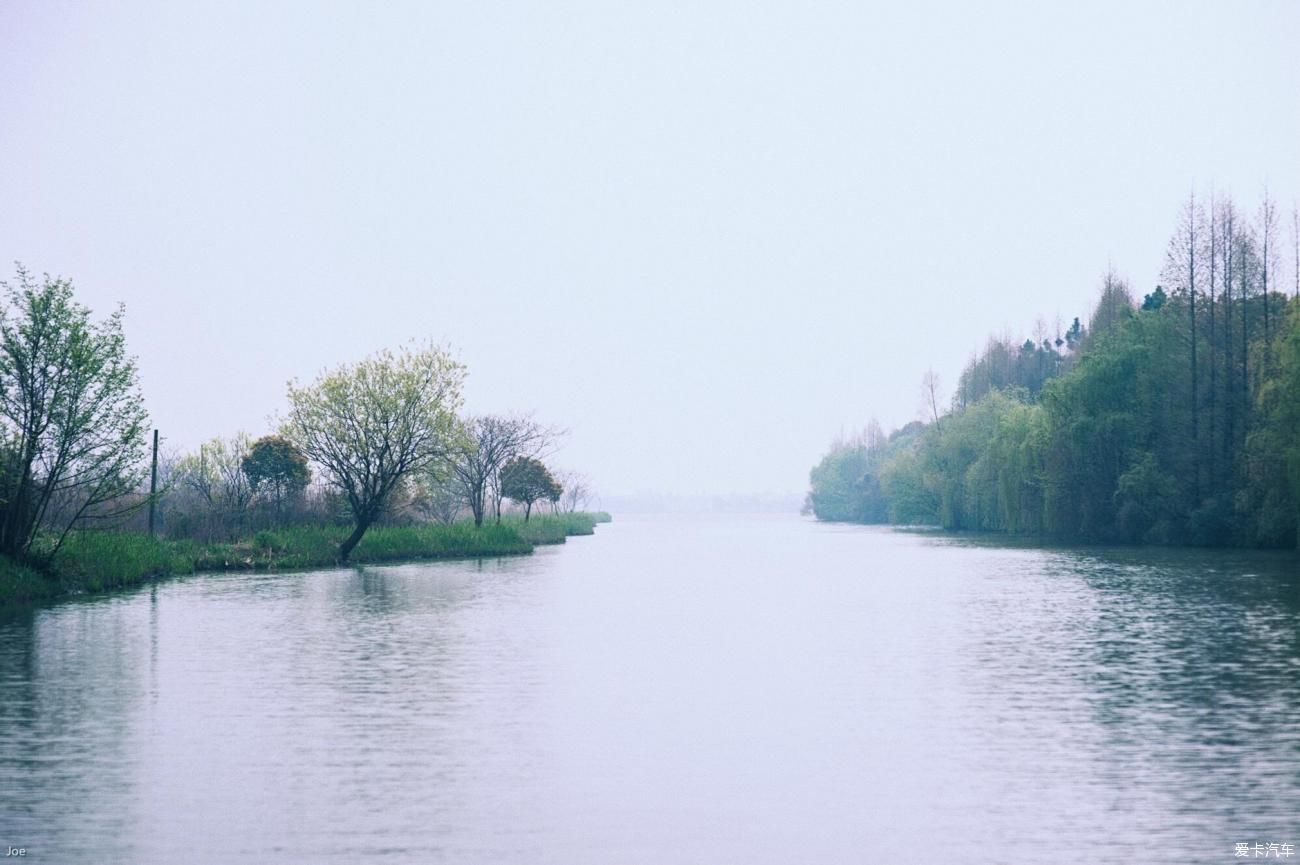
1173,419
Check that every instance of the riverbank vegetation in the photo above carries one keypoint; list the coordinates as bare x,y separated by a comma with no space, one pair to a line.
372,462
1173,419
96,561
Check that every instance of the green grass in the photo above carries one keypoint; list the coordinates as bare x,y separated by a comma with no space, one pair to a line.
19,584
553,528
97,561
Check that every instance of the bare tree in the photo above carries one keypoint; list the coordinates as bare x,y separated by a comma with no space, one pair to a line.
874,436
1211,257
577,491
216,475
487,443
1180,272
438,496
930,394
1295,228
1268,263
1227,218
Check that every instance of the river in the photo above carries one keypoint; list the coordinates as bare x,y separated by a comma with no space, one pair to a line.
719,689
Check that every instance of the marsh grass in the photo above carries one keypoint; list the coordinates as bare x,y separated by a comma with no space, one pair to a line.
553,528
97,561
19,583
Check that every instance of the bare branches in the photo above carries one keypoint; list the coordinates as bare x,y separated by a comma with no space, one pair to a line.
485,445
374,423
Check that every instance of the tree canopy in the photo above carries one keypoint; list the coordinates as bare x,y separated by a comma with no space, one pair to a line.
371,424
72,422
276,467
1174,423
526,480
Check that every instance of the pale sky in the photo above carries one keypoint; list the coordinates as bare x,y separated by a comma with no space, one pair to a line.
704,237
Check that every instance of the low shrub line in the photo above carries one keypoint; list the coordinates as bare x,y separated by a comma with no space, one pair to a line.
98,561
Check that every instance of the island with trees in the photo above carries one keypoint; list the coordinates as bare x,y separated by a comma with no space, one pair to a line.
1170,420
372,462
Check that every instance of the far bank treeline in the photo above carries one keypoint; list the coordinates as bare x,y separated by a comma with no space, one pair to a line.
1170,419
375,450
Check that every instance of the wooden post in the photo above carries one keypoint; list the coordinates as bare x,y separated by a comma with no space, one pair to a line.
153,485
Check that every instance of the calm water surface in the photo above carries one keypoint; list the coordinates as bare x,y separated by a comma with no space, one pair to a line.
696,690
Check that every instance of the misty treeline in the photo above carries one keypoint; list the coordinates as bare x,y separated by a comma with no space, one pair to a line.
1170,418
231,487
380,441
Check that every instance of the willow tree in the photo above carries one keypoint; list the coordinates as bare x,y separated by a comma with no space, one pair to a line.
72,423
372,424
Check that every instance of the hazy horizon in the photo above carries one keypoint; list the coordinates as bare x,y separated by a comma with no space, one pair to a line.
705,239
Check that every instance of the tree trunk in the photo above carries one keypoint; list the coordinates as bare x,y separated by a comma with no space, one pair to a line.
528,509
1213,449
1229,372
1245,346
345,549
1191,305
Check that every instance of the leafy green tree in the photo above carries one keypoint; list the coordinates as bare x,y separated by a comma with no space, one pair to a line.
1178,423
553,493
1269,490
909,494
526,480
846,484
275,467
1154,300
72,422
372,424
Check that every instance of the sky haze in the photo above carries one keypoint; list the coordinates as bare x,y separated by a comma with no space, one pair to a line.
704,237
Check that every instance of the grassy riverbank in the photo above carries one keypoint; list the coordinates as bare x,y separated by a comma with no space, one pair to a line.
102,561
554,528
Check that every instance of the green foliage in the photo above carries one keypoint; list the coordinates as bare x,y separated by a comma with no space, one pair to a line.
1003,365
72,423
372,424
842,488
20,584
966,465
527,480
1178,423
554,528
911,498
849,484
95,561
268,540
275,467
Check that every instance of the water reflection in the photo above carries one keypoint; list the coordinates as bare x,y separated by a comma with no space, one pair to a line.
1165,680
717,689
